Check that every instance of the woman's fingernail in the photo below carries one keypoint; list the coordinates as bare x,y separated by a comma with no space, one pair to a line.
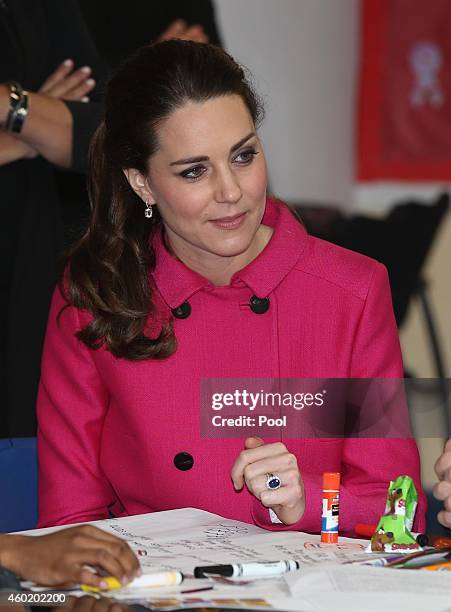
86,69
68,62
90,82
84,99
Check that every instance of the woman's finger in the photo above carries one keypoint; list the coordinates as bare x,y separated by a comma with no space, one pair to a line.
273,465
252,455
257,485
287,496
64,86
253,442
59,74
80,91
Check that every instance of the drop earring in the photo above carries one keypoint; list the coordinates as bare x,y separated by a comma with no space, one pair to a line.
148,212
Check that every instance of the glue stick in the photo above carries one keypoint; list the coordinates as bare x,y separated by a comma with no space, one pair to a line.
329,517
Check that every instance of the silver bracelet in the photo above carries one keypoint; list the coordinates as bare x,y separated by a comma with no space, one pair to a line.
18,107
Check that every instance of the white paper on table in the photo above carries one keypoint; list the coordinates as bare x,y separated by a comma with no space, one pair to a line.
184,538
357,588
256,590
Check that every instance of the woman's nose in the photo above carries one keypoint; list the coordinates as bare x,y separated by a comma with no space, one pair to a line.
227,188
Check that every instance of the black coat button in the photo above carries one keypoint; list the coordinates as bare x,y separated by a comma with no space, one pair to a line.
183,311
183,461
259,305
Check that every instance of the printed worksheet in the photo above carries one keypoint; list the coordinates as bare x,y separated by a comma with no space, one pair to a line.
185,538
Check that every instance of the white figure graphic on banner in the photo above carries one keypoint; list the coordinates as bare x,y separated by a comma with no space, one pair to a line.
426,60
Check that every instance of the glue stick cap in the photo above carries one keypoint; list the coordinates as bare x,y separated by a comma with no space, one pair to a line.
331,480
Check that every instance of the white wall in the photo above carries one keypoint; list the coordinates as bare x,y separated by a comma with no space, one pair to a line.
303,55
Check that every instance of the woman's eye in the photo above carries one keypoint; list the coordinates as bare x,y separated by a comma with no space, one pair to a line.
193,173
246,157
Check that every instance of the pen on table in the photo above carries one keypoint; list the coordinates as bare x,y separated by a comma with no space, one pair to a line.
208,588
256,569
426,557
377,562
156,579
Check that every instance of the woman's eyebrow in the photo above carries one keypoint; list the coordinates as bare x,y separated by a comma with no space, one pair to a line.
241,142
201,158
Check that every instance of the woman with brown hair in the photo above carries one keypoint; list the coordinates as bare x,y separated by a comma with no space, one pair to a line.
189,272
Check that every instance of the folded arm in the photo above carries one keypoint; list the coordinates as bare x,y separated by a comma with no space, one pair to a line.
47,127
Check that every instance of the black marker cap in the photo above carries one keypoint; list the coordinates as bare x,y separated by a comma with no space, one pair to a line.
220,570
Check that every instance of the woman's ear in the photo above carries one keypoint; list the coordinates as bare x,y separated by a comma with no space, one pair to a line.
139,184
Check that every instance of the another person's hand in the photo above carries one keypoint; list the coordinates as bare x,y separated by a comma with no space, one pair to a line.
60,558
442,490
66,83
180,29
259,459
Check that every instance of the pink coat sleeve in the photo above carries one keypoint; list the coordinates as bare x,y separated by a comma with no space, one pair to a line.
367,464
72,487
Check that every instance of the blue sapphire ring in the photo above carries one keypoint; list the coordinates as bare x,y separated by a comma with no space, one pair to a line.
273,482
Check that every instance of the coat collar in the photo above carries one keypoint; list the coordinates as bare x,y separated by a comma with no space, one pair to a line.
177,283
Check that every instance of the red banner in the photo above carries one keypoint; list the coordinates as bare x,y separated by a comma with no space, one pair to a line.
404,129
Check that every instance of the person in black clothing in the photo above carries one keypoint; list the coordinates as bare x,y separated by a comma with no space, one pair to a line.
36,36
118,32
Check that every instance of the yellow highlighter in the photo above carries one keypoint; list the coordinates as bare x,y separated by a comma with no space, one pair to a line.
156,579
111,582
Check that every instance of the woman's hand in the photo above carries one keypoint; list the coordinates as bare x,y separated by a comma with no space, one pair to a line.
51,135
60,558
442,490
47,129
258,460
66,83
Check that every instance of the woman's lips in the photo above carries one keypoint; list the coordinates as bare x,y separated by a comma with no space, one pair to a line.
229,222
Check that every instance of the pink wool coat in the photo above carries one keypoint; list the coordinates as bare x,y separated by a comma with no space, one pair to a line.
109,428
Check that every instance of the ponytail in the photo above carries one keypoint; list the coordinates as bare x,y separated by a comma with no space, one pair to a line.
108,268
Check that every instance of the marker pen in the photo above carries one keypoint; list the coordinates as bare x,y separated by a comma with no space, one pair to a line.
156,579
377,562
257,569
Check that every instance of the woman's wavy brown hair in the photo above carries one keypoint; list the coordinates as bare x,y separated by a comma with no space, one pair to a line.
107,271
